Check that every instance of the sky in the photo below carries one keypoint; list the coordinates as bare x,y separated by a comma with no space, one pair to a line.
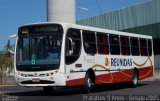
14,13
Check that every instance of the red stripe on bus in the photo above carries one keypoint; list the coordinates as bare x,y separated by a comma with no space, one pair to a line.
114,77
122,76
75,82
145,73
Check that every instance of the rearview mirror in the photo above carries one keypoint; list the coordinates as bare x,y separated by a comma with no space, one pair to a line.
9,47
8,44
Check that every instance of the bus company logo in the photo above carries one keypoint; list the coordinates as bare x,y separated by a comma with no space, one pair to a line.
35,74
107,61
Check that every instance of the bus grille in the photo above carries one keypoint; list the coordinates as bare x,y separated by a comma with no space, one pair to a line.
40,82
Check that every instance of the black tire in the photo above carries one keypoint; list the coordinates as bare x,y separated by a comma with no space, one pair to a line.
48,90
134,82
88,83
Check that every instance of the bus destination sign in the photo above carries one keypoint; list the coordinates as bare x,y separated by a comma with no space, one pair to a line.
41,29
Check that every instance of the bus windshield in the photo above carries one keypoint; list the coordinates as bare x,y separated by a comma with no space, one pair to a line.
39,49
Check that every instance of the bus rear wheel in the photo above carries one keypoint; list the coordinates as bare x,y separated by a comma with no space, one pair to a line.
88,84
134,82
48,90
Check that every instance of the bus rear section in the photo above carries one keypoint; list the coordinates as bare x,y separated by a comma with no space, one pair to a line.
95,56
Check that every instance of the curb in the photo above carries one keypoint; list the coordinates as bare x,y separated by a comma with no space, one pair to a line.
7,85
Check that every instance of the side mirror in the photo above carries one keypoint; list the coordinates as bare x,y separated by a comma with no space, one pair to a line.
9,47
8,44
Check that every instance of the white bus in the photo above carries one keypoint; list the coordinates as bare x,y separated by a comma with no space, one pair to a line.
60,54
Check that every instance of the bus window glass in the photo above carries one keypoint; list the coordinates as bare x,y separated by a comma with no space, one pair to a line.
125,45
73,45
143,47
114,44
89,42
102,43
25,54
39,46
134,46
149,47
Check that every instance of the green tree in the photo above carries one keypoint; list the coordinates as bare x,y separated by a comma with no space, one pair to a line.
6,59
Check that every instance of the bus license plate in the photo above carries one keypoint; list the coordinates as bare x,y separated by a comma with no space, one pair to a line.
35,80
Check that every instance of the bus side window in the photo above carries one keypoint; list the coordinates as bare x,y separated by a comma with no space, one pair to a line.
102,43
125,45
114,44
149,47
72,46
134,46
89,42
143,47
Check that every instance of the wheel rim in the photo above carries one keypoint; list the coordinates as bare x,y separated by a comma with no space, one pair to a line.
89,82
135,79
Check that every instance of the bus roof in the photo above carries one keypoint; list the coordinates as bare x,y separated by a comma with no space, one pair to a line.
69,25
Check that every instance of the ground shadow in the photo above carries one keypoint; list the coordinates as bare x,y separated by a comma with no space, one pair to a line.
115,86
64,91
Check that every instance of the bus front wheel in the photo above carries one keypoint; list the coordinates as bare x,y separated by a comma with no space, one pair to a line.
88,83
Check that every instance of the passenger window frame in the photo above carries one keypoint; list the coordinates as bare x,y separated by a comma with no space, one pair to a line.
124,46
101,43
89,42
71,56
113,45
135,45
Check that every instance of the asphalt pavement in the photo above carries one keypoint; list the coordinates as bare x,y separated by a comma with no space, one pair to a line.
146,91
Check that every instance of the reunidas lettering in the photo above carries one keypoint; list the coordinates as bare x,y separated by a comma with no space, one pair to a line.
121,62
